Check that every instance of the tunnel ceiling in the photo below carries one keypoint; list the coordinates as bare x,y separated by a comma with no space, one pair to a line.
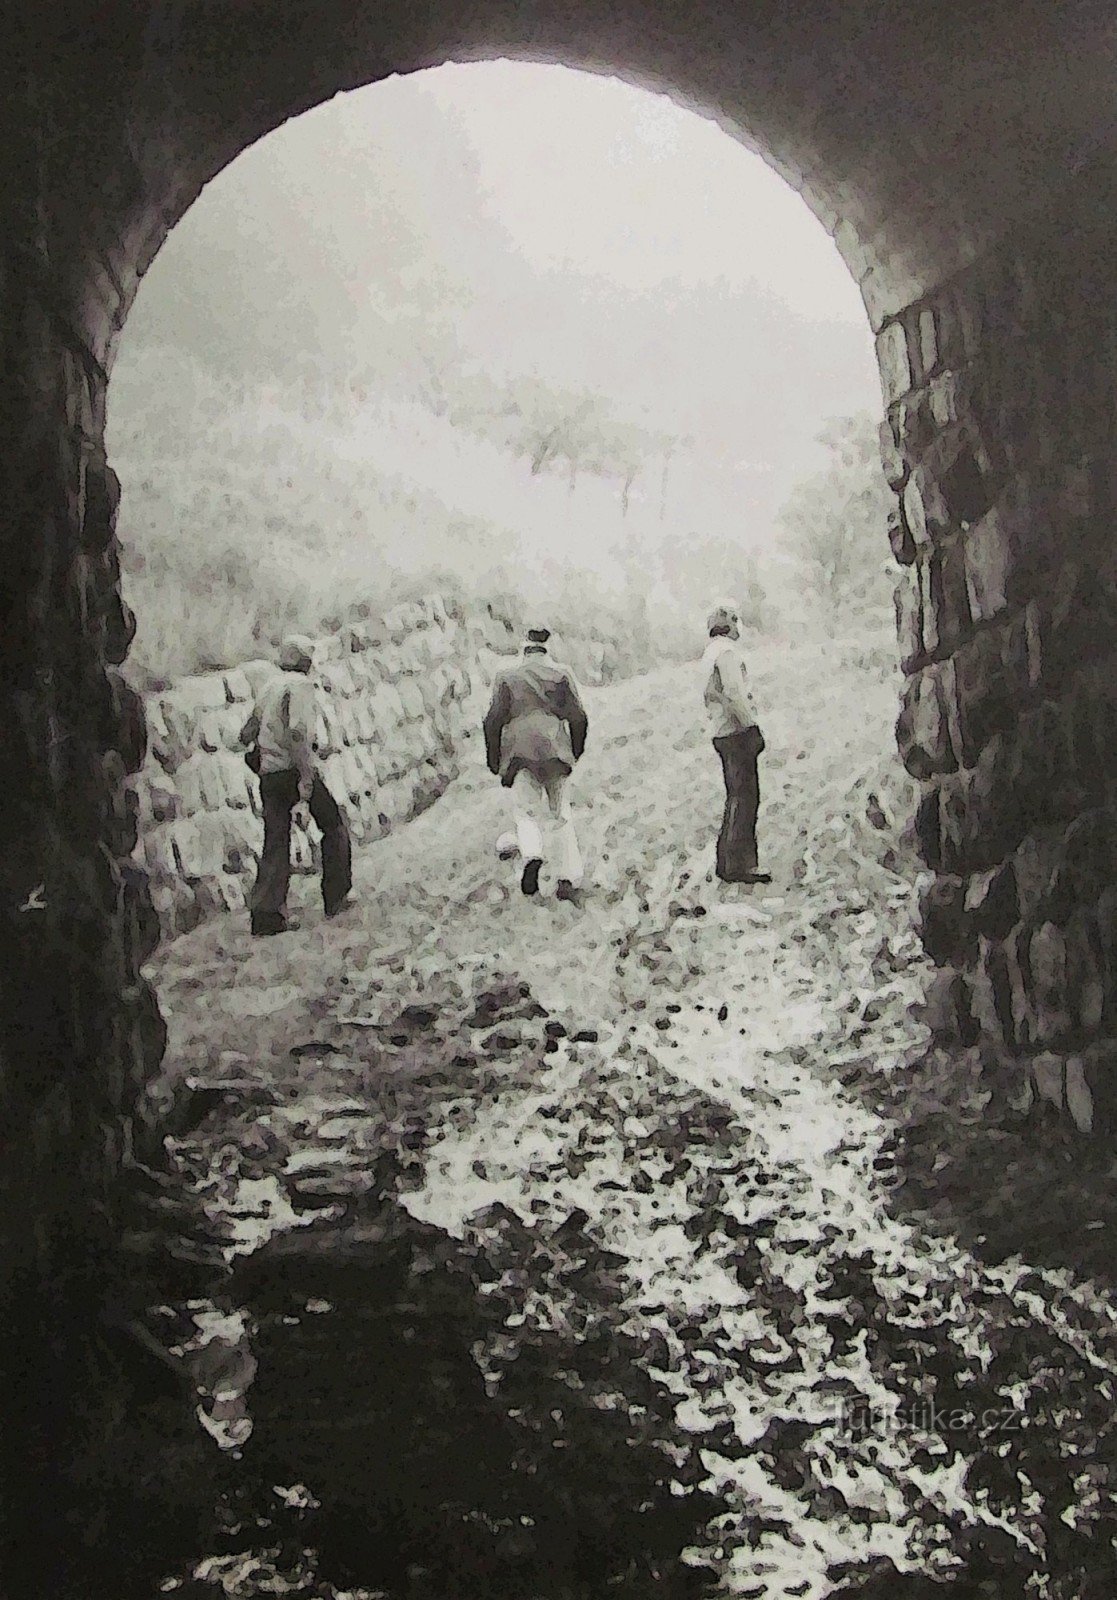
917,133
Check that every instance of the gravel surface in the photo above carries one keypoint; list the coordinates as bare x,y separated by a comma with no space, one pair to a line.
643,1154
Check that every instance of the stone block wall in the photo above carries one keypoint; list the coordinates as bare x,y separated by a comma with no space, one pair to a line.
399,697
1001,395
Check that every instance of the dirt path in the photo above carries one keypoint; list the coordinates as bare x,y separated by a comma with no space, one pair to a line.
633,1112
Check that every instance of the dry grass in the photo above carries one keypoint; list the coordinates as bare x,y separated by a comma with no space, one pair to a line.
248,513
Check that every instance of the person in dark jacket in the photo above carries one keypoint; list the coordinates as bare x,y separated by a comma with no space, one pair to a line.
281,734
535,732
738,741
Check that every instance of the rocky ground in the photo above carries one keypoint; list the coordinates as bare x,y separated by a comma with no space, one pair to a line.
639,1246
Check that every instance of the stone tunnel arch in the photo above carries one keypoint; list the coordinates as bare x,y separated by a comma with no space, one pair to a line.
965,163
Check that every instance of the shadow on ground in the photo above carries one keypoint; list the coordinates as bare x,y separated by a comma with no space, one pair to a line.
446,1457
418,1419
1004,1183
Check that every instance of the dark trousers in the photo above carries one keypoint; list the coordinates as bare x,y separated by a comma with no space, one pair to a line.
736,852
279,794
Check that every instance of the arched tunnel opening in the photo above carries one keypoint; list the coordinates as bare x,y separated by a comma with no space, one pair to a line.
319,1091
966,174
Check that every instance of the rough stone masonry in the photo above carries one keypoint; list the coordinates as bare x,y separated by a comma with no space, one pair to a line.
964,160
998,442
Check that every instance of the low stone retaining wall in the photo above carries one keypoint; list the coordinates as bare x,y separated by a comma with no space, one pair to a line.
399,696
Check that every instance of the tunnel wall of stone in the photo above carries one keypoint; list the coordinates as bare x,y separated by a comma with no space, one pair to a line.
400,697
1001,395
999,389
80,1029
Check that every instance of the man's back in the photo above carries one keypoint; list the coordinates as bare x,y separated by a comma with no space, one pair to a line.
535,720
287,710
539,684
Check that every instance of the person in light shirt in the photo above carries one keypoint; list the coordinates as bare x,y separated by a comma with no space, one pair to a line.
281,734
735,729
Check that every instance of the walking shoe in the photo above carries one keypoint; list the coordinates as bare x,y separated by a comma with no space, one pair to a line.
265,926
343,905
757,877
529,883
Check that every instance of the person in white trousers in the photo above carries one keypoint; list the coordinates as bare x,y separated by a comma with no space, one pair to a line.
535,732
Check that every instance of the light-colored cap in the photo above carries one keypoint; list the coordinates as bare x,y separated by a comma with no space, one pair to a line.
724,615
296,653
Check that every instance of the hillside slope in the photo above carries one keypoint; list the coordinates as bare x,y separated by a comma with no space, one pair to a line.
627,1124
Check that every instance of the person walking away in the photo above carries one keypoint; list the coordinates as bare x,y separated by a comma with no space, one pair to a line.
738,742
535,733
281,734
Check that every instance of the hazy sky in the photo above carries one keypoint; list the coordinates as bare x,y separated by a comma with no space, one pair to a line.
591,173
528,219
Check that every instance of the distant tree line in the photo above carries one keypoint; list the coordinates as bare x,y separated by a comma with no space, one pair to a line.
836,522
555,429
